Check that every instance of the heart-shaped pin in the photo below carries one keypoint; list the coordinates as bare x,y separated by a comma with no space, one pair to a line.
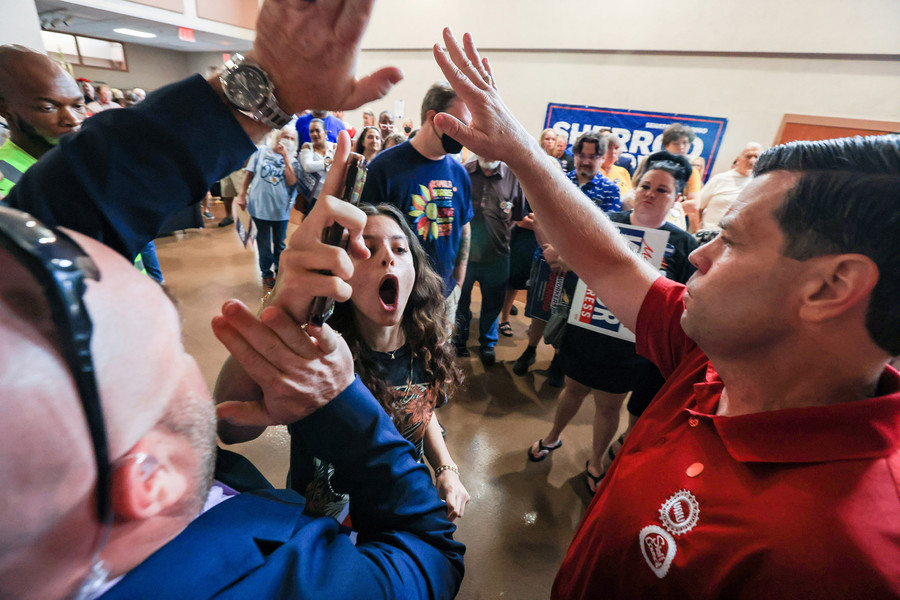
658,548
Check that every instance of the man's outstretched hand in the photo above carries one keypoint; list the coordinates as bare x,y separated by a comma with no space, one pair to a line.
309,49
494,131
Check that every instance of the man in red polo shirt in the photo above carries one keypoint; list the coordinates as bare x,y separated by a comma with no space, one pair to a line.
769,463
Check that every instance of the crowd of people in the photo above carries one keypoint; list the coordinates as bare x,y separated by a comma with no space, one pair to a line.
763,447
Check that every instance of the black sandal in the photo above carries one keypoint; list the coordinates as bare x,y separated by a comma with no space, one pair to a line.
542,448
505,329
591,478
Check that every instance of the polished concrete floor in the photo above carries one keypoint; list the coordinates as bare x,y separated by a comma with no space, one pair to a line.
522,515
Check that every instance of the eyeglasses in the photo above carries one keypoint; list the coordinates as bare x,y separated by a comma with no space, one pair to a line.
588,156
61,267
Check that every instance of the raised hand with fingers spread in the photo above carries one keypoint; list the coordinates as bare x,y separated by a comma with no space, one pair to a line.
494,131
310,49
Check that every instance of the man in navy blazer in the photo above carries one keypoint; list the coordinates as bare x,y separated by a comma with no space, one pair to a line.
171,532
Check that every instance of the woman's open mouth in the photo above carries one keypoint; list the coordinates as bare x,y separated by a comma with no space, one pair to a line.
388,292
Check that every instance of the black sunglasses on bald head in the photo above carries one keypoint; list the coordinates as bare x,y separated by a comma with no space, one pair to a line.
61,267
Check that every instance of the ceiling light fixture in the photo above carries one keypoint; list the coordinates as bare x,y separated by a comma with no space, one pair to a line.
134,33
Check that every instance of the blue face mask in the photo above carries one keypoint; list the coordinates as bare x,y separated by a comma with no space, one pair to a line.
450,145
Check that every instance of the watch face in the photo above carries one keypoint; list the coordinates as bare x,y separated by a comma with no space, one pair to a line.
247,88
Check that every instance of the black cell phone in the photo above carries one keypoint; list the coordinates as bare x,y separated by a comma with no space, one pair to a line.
354,180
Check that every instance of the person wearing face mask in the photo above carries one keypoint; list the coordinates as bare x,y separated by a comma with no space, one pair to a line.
498,202
431,189
609,367
267,193
407,126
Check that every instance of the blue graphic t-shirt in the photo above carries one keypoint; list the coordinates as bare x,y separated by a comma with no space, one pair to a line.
435,196
602,192
270,197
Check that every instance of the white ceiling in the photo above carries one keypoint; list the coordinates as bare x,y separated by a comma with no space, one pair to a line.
99,23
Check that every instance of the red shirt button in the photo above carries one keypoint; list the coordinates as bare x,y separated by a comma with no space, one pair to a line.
693,421
695,469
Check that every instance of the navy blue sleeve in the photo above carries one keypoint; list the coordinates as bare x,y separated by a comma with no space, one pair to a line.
262,545
405,542
127,170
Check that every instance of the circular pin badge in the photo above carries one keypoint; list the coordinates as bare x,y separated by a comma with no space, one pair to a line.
680,513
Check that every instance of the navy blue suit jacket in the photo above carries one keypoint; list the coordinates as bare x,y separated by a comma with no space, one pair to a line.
260,545
117,181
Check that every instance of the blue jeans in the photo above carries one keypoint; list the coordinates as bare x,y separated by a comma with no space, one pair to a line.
270,242
493,278
151,262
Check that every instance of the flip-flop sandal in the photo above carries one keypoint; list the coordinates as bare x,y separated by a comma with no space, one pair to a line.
506,329
542,448
591,478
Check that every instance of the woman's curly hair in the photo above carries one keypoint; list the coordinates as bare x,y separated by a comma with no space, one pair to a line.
424,324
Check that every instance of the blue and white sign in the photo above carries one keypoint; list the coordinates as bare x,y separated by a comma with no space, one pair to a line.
640,130
587,310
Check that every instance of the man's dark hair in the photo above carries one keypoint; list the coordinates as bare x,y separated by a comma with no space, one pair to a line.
847,200
675,132
438,98
590,137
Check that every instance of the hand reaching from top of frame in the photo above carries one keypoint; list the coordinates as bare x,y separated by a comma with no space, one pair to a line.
494,131
309,49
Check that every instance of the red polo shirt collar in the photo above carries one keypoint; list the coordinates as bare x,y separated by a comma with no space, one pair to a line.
851,430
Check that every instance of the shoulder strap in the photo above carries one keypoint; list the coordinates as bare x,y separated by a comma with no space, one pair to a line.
10,172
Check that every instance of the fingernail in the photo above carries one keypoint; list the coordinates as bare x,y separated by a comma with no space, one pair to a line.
230,308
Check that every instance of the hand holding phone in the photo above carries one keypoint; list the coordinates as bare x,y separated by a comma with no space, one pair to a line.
351,191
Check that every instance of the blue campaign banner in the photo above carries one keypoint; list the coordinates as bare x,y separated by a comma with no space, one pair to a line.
640,130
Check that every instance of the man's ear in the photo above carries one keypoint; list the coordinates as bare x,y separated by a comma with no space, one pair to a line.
146,481
838,283
429,117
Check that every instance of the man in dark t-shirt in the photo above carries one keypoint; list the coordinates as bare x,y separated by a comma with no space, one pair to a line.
431,189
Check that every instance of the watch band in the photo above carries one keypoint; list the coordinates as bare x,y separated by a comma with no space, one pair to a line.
269,113
272,115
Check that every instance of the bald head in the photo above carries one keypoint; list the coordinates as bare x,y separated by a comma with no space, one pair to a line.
146,383
746,160
39,99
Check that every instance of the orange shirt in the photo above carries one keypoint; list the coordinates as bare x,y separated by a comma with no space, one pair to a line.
619,176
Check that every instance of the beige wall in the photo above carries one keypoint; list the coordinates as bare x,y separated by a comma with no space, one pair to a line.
820,26
148,68
751,66
752,92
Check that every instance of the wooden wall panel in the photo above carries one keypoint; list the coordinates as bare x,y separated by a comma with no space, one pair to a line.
173,5
241,13
806,127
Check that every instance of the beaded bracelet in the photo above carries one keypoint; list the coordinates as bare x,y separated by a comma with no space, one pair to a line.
443,468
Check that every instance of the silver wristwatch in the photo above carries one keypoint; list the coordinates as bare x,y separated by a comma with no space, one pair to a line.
249,90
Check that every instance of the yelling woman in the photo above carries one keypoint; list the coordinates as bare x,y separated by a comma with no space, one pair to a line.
394,326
